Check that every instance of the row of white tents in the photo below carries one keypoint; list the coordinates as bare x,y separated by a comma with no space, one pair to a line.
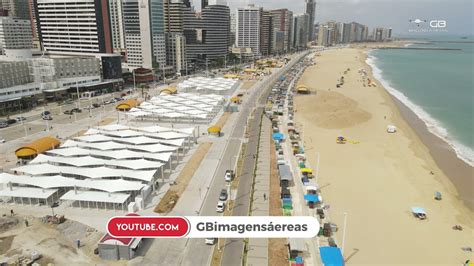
107,167
181,107
205,85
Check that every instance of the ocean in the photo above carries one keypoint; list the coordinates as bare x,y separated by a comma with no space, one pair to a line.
436,85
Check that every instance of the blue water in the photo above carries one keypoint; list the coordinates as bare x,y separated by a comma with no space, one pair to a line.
437,86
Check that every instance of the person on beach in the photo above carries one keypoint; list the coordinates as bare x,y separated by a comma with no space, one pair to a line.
264,196
11,212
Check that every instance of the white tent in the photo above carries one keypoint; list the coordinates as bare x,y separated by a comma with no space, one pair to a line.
58,181
139,164
120,154
95,196
95,173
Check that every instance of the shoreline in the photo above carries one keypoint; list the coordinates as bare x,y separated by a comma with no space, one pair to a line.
376,177
444,154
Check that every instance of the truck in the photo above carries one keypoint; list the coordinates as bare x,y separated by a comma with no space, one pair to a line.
229,175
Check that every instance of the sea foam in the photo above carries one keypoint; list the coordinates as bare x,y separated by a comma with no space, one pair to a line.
435,127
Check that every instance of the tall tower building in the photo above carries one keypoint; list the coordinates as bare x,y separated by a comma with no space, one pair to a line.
144,33
266,32
282,29
248,28
310,10
300,26
15,34
204,3
207,34
16,8
66,26
116,25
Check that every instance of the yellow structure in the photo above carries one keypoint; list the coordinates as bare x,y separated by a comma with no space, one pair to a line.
214,130
307,171
169,90
235,99
31,150
250,70
231,76
302,89
127,105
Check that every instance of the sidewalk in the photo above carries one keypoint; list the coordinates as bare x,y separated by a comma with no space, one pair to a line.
258,247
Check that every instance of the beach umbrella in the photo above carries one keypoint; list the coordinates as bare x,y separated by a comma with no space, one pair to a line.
311,198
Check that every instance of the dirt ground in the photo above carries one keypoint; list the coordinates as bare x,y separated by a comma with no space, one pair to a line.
277,249
171,197
55,243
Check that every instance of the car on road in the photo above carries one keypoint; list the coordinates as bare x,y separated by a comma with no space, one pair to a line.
229,175
223,195
210,241
220,206
46,115
3,124
76,110
95,105
20,118
68,112
11,121
109,102
2,140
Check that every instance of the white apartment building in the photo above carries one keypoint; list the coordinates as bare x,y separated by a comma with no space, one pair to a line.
116,25
15,34
74,26
248,28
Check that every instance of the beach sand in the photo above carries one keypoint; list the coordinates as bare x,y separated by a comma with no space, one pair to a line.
377,177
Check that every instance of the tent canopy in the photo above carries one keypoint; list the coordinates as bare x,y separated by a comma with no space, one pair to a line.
169,90
127,105
214,129
418,210
27,192
311,198
36,147
95,196
278,136
331,256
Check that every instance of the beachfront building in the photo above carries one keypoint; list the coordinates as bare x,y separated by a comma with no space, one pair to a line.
15,34
266,32
207,33
81,26
310,10
300,31
116,26
248,30
282,29
16,8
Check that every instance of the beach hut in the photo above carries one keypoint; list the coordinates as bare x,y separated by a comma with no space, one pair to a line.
307,172
341,140
236,100
31,150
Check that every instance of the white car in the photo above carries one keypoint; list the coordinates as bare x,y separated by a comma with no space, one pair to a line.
210,241
220,207
2,140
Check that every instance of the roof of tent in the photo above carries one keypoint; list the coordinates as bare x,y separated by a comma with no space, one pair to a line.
285,172
297,244
139,164
27,192
58,181
110,145
36,147
95,196
331,256
120,154
96,172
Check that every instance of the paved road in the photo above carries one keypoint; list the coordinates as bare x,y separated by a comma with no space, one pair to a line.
234,248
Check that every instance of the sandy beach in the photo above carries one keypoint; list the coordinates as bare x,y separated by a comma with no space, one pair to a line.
377,177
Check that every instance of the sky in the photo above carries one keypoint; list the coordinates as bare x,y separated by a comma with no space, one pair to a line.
458,14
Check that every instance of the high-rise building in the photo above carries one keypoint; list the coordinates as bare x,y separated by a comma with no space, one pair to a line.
233,21
310,10
248,28
116,25
15,34
176,57
144,36
300,31
16,8
266,32
80,26
207,34
204,3
283,29
346,38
